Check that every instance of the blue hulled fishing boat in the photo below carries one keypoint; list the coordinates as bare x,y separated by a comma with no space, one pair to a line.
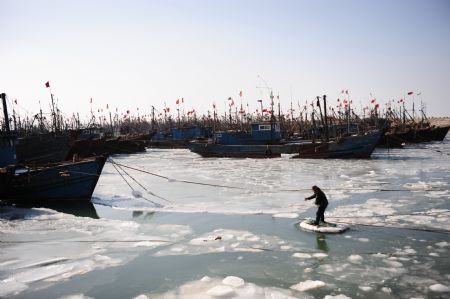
354,146
69,180
261,142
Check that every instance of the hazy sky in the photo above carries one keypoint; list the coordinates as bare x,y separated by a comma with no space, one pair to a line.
131,54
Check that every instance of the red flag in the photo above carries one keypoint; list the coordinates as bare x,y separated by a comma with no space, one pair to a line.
377,105
178,101
410,93
240,93
338,100
47,84
373,101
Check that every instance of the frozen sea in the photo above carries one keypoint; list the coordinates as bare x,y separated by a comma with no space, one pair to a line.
192,227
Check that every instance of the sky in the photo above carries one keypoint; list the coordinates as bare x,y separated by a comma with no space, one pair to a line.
138,54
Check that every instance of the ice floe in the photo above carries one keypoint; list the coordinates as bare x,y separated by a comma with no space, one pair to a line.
229,287
226,240
65,245
308,285
440,288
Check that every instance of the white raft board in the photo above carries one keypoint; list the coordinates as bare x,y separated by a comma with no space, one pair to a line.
330,229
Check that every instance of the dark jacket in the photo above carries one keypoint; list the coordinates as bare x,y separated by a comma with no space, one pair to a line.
321,199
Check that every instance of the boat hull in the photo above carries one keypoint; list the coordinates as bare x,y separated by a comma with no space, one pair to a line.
360,146
235,151
63,181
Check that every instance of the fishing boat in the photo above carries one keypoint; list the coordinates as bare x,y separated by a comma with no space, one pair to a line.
92,141
43,148
60,181
353,146
263,141
69,180
236,151
179,137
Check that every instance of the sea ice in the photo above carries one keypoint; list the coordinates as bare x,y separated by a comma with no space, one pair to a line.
233,281
341,296
286,215
440,288
220,291
355,258
211,288
365,288
308,285
302,255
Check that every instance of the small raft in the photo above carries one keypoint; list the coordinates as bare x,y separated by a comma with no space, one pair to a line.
327,228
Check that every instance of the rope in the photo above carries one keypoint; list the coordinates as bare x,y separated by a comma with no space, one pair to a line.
84,241
142,185
155,203
266,191
181,181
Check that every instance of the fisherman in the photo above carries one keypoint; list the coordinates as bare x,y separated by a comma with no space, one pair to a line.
321,202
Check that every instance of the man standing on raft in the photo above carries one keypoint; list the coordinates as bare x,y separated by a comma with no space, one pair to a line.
321,202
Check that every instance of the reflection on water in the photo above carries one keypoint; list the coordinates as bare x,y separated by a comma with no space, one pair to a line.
321,242
80,208
143,214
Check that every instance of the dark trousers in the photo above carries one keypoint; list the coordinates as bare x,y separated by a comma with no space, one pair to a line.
320,215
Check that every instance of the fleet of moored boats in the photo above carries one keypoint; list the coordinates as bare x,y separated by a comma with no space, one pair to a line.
62,164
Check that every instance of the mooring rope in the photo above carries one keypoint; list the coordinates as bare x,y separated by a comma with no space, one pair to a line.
263,188
132,189
136,181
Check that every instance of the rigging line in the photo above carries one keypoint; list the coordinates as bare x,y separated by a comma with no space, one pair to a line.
155,203
282,190
181,181
123,177
84,241
143,187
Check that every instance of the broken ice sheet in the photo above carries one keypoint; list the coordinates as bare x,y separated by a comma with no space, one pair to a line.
226,240
64,245
229,287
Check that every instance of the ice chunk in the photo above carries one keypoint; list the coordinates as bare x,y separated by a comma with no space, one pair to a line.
220,291
285,215
355,259
82,296
205,279
141,297
233,281
440,288
302,255
365,288
337,297
308,285
11,287
319,255
442,244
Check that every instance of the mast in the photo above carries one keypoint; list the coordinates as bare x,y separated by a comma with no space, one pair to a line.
5,113
327,137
